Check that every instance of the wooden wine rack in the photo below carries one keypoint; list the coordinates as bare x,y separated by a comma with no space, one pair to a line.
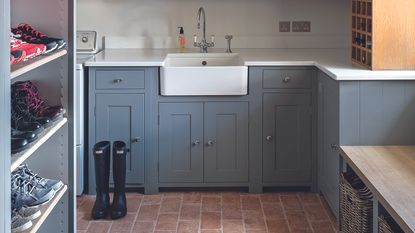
362,32
383,34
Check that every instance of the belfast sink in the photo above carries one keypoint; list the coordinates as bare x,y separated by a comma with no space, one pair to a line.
203,74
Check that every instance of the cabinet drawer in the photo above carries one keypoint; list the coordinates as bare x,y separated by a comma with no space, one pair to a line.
286,78
119,79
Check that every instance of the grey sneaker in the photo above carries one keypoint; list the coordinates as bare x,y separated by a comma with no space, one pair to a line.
30,213
20,224
29,194
28,174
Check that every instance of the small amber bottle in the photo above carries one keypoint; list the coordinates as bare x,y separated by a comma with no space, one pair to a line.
181,40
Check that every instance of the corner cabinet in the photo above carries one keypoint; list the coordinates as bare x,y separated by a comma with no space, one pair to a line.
119,110
203,142
328,135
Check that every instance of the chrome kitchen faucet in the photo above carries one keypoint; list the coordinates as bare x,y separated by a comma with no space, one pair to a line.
203,45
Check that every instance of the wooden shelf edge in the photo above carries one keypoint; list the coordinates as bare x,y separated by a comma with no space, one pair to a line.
19,158
26,66
46,210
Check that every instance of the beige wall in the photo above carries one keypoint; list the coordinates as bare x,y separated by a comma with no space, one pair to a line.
254,23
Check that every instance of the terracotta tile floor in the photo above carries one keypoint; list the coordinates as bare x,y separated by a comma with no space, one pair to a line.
212,212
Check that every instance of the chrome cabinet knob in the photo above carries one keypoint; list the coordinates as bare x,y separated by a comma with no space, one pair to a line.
269,138
287,79
137,139
210,143
119,80
195,142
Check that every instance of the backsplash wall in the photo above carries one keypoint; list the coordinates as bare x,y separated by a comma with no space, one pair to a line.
253,23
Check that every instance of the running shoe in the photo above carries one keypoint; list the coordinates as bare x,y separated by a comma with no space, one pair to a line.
29,193
28,30
19,223
31,50
27,174
30,213
17,56
50,45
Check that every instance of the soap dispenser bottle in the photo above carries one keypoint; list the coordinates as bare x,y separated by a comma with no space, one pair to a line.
181,40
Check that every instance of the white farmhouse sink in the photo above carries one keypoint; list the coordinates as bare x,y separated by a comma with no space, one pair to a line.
200,74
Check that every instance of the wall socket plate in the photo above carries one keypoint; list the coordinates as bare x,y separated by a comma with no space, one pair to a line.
284,26
301,26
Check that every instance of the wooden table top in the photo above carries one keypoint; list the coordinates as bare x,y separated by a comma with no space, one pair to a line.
389,172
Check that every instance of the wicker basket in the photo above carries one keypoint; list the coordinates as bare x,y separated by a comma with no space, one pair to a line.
356,206
384,226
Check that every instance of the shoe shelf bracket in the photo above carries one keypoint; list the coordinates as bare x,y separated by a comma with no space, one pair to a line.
26,66
19,158
46,209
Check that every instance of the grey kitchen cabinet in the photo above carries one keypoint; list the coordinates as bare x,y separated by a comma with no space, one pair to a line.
180,142
122,106
202,142
328,159
287,134
226,142
120,117
359,113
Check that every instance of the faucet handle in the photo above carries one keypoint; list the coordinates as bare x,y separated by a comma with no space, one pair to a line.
229,38
212,38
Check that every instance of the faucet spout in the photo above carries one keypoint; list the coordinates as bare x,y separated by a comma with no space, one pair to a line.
203,45
199,16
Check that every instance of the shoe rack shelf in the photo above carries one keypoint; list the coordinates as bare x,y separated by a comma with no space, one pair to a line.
52,154
26,66
382,38
45,210
19,158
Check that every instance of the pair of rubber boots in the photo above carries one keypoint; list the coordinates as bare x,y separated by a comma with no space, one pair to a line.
102,151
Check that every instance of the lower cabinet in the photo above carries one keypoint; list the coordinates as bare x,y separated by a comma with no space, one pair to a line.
287,120
121,117
180,142
226,142
328,156
203,142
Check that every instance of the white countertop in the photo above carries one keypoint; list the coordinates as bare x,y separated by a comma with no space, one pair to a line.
334,62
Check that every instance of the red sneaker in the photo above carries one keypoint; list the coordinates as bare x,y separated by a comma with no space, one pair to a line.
31,50
17,56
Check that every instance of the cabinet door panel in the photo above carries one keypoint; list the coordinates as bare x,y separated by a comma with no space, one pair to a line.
329,163
226,125
120,117
180,160
287,138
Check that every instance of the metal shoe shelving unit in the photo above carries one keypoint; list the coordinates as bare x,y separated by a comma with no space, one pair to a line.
52,154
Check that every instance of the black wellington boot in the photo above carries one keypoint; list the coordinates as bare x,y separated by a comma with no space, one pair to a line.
102,152
119,203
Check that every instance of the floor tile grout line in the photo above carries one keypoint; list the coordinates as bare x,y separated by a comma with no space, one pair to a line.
306,214
284,211
180,212
321,197
136,215
200,214
263,213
